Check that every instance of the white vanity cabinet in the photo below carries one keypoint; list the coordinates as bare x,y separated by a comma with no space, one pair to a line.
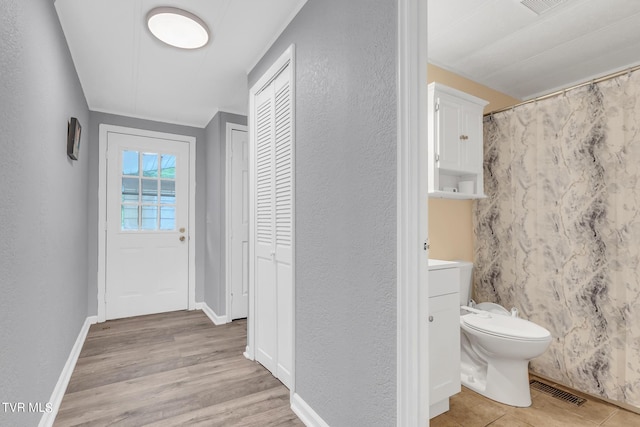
455,143
444,334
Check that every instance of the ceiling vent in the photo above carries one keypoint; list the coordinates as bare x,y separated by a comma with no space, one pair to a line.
541,6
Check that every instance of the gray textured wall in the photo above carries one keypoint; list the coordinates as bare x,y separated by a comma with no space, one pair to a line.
216,137
345,207
43,212
91,145
213,243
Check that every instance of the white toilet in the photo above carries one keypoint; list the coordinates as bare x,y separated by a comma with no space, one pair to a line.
496,347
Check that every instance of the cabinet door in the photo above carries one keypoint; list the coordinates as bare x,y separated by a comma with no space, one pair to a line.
471,144
459,135
444,347
448,132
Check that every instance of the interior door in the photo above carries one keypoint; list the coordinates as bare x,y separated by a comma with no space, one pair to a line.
273,264
283,223
265,271
239,223
147,250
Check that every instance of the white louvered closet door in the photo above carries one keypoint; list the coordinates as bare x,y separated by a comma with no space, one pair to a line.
274,227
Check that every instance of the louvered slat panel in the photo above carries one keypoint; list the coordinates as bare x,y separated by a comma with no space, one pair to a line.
283,170
272,164
264,193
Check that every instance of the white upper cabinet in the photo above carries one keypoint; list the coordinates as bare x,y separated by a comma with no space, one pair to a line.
455,143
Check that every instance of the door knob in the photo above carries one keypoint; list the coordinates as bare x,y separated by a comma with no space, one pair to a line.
182,238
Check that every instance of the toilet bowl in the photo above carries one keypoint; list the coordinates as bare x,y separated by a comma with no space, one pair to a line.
496,348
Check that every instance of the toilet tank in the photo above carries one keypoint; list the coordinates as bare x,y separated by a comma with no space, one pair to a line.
466,281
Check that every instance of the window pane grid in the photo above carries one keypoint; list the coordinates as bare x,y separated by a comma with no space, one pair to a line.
148,191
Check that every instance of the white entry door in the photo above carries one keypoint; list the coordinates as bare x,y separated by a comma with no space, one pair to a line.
272,148
147,237
238,220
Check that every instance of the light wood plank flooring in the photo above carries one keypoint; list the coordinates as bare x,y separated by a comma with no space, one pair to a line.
470,409
171,369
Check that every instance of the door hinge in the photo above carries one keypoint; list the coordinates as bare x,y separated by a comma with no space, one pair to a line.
437,158
437,106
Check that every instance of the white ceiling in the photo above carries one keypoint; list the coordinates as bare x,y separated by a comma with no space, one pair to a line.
124,70
504,45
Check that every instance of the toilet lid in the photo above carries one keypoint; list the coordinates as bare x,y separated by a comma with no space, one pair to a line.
506,326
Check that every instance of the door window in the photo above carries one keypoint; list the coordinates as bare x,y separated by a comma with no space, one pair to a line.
148,200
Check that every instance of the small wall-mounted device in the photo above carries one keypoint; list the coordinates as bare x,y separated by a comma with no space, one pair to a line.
73,138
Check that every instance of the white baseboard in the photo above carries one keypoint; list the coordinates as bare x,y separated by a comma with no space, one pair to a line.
63,381
217,320
247,353
306,414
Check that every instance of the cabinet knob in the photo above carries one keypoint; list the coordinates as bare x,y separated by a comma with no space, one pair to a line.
430,318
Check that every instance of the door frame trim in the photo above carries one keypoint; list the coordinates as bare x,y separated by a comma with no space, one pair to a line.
412,379
287,57
105,129
227,202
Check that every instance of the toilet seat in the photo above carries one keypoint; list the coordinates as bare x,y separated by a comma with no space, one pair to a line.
492,308
506,326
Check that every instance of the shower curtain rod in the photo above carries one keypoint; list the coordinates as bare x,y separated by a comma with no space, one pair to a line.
562,91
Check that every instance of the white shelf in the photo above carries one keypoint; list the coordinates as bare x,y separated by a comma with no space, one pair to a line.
456,196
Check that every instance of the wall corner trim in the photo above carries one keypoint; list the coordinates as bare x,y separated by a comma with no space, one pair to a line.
63,381
217,320
306,414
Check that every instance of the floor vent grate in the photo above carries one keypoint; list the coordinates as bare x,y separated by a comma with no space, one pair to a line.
541,6
557,393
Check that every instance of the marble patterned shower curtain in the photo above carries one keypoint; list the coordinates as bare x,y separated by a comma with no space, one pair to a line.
559,234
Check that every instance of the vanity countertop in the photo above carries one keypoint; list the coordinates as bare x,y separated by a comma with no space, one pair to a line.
438,264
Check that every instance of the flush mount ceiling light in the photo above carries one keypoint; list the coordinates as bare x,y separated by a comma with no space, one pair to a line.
177,27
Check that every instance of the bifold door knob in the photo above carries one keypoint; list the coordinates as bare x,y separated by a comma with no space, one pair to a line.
182,238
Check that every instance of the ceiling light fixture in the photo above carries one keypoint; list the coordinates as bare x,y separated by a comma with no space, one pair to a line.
177,27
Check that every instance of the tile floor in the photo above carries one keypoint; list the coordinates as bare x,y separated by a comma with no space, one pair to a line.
469,409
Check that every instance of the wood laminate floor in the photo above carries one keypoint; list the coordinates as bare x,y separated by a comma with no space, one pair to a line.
171,369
